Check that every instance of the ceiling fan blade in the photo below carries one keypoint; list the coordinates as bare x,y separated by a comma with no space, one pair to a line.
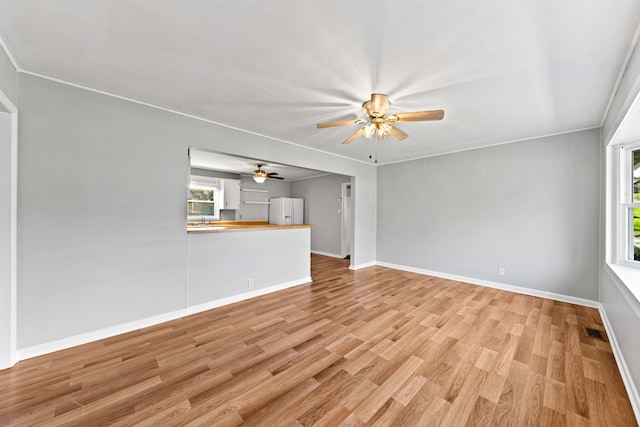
340,123
353,137
397,133
274,177
272,173
417,116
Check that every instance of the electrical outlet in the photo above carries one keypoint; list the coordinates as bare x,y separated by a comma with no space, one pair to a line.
250,283
502,271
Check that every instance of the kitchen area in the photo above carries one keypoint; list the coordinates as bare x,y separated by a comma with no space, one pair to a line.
248,227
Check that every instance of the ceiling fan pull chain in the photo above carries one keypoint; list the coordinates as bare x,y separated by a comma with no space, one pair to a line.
375,151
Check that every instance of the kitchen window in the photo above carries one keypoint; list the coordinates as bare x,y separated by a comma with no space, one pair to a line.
203,201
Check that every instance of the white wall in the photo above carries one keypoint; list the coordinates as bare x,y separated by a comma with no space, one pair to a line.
530,207
102,237
321,208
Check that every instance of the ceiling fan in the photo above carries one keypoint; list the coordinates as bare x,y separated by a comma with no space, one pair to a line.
259,175
379,124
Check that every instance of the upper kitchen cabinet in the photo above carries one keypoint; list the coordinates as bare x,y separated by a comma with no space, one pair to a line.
231,193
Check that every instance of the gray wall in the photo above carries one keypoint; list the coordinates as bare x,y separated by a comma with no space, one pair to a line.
8,79
253,212
242,257
623,312
530,207
620,306
101,236
321,205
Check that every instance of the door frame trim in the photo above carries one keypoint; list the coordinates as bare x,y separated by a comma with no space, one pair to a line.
12,110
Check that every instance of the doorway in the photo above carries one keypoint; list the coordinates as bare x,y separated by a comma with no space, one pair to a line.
347,220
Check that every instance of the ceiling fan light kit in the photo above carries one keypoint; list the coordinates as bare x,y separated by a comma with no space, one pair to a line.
369,130
260,176
381,125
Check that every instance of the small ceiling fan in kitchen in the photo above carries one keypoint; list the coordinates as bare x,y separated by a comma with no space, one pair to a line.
380,125
260,176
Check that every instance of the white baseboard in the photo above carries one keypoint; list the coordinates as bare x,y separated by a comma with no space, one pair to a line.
361,266
496,285
327,254
75,340
632,391
247,295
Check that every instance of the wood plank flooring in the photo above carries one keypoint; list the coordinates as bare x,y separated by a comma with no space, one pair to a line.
371,347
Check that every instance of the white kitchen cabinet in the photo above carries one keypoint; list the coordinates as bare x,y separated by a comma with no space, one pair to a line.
231,194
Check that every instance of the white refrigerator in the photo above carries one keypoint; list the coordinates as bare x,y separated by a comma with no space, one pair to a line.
286,210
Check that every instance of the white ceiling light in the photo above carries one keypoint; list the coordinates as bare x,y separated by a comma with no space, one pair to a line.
259,175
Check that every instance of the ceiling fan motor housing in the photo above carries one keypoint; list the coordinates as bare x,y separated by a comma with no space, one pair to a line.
377,106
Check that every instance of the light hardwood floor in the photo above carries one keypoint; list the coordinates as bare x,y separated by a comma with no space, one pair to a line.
372,347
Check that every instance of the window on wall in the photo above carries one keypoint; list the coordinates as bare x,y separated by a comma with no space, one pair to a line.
203,201
634,209
629,224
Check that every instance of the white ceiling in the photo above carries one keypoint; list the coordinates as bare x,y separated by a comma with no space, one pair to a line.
502,70
222,162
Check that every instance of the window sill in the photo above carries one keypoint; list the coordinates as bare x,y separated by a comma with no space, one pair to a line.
630,276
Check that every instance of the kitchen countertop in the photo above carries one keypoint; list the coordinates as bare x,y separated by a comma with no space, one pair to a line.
230,226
